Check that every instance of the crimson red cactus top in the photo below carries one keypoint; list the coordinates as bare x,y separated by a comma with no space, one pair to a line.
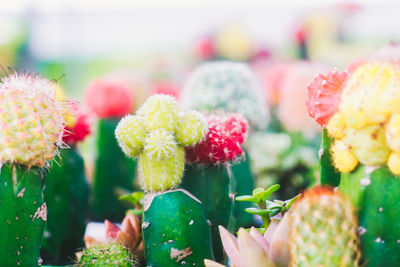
165,88
324,95
78,131
109,98
223,141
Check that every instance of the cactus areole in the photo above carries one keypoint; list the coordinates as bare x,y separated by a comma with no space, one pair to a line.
175,228
32,124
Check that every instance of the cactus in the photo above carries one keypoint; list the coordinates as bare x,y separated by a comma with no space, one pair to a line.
174,226
230,87
32,125
323,230
363,124
107,254
207,176
66,193
109,100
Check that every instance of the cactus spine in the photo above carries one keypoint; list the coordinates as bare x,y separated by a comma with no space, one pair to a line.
175,229
323,230
230,87
109,100
107,254
32,126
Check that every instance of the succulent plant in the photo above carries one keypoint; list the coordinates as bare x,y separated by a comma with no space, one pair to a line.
32,126
207,174
323,230
175,229
109,100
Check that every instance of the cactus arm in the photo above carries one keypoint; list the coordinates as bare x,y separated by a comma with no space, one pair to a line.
112,169
210,184
22,216
329,174
176,231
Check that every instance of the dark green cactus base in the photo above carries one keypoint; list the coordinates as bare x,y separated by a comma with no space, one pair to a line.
22,215
379,216
113,170
210,184
66,193
329,174
175,231
242,183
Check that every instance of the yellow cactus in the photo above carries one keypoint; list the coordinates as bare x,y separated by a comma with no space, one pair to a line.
393,132
157,135
343,158
337,126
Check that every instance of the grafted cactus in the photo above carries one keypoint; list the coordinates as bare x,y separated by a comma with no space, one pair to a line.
207,175
363,126
32,125
109,100
174,226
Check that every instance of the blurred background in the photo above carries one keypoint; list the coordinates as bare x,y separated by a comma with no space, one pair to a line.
153,46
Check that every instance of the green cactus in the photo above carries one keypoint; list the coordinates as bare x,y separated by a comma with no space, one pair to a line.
107,254
32,125
66,193
376,195
113,170
323,230
175,228
210,184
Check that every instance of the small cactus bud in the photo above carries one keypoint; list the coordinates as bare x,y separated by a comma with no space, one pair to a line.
109,98
131,134
160,145
394,163
192,128
393,132
343,158
31,119
336,126
222,142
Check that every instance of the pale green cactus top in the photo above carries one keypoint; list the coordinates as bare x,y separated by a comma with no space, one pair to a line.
228,87
157,135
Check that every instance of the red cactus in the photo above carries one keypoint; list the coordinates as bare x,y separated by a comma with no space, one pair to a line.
165,88
78,131
222,142
324,95
109,98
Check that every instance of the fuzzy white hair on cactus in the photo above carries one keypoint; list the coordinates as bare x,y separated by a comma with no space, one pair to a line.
31,119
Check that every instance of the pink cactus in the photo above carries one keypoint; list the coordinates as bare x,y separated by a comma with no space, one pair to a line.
109,98
324,95
78,131
222,142
165,88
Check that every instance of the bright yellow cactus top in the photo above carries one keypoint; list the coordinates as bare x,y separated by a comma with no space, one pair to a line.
366,126
157,135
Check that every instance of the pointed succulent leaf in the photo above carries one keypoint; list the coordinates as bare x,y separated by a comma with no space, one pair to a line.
289,202
247,198
134,198
257,211
269,191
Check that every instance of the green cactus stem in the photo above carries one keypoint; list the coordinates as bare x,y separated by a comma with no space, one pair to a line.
242,183
210,184
66,193
378,216
22,215
176,230
329,175
113,170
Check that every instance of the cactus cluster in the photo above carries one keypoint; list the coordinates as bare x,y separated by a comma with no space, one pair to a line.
365,125
108,98
157,135
228,87
106,254
222,142
31,120
323,230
